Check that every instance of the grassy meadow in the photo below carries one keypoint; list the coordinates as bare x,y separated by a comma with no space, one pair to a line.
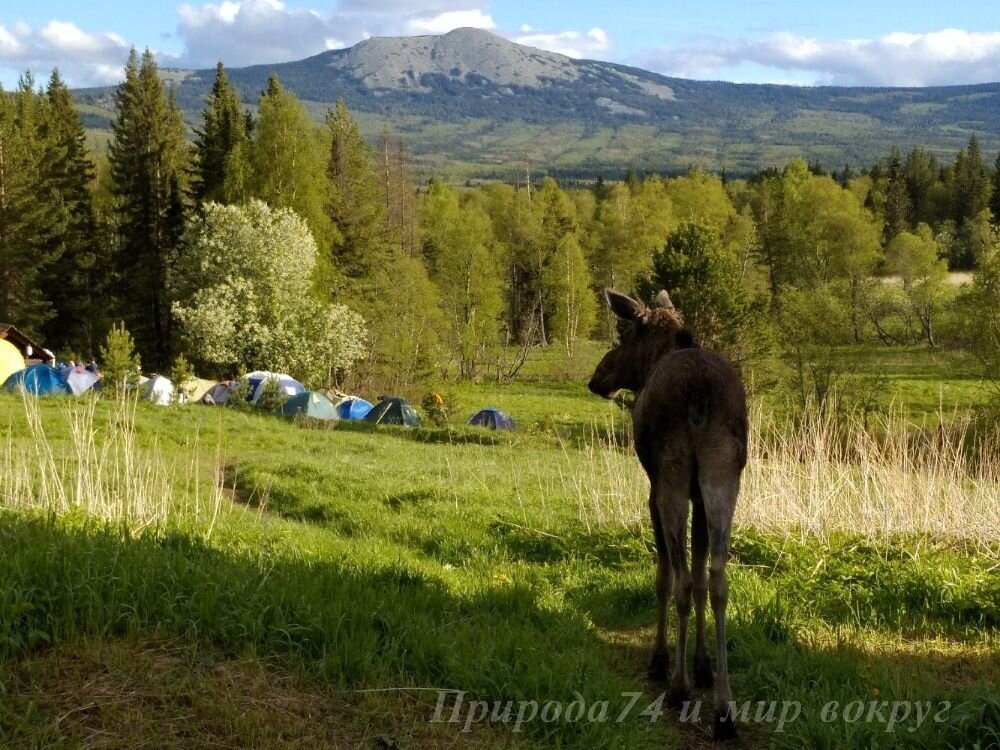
207,577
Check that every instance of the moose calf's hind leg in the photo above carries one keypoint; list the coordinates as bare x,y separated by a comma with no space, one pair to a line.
699,576
674,531
719,504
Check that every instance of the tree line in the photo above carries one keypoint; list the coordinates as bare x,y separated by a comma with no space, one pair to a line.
267,240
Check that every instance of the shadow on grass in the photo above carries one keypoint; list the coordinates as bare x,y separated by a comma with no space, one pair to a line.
376,621
359,622
845,623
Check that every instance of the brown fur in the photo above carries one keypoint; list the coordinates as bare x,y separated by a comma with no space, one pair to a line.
689,424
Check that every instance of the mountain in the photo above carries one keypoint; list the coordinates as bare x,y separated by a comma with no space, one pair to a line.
471,104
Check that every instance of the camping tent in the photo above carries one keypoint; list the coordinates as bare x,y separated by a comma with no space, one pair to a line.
312,404
492,418
79,379
218,394
196,388
353,408
10,360
157,389
259,378
393,411
40,380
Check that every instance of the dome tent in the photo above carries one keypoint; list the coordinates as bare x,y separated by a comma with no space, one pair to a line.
492,418
39,380
258,380
218,394
312,404
79,379
10,360
157,389
393,411
353,408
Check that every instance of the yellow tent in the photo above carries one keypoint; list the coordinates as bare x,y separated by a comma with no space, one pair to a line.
10,360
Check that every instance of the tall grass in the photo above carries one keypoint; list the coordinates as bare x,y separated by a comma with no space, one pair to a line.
106,471
876,476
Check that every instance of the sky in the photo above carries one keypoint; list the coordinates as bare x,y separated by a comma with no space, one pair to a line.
846,42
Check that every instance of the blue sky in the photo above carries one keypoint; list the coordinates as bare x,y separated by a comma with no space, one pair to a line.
850,42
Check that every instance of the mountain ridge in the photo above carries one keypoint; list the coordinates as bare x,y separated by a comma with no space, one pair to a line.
472,104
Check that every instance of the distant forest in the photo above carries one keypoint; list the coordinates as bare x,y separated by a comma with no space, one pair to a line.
273,242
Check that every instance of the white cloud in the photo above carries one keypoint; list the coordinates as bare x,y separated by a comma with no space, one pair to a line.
250,32
948,56
570,43
84,58
245,32
452,19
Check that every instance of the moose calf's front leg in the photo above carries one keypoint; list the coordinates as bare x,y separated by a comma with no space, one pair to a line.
659,664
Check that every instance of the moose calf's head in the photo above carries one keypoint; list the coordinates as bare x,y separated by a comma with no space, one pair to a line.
644,335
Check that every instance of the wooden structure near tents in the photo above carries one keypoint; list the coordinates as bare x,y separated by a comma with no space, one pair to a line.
31,350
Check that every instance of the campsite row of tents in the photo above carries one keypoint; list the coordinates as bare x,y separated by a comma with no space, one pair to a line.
43,380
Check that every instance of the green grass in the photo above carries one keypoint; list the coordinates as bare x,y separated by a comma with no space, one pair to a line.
333,561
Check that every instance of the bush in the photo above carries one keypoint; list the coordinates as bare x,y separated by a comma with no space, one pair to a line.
181,374
440,409
121,363
272,396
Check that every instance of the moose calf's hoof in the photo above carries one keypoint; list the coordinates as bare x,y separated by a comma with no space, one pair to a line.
725,727
659,667
678,697
703,674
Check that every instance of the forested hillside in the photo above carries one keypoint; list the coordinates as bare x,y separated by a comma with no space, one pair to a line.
474,105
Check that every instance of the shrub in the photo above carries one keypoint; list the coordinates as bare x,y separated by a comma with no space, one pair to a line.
121,363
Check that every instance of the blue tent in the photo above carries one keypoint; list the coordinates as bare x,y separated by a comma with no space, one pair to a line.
393,411
492,418
40,380
312,404
352,407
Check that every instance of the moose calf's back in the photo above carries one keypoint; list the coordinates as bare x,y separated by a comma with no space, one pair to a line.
693,404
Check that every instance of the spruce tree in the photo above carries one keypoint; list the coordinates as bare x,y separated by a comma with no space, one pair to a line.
356,206
995,197
147,156
221,145
77,283
30,214
897,199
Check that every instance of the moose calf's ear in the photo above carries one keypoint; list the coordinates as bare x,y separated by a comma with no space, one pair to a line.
622,305
663,300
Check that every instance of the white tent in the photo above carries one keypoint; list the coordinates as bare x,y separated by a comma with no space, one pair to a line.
79,379
157,389
258,381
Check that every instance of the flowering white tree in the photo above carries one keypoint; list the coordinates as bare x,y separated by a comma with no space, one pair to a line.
243,297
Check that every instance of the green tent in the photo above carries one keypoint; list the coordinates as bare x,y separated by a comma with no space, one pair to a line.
393,411
312,404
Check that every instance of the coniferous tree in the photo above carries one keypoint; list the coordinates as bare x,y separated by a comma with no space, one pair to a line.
221,145
30,213
995,197
147,157
921,175
971,183
357,207
897,199
77,283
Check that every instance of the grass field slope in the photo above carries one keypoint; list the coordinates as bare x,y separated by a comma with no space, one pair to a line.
206,577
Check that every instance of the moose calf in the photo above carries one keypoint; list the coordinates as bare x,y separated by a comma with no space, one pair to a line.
689,426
